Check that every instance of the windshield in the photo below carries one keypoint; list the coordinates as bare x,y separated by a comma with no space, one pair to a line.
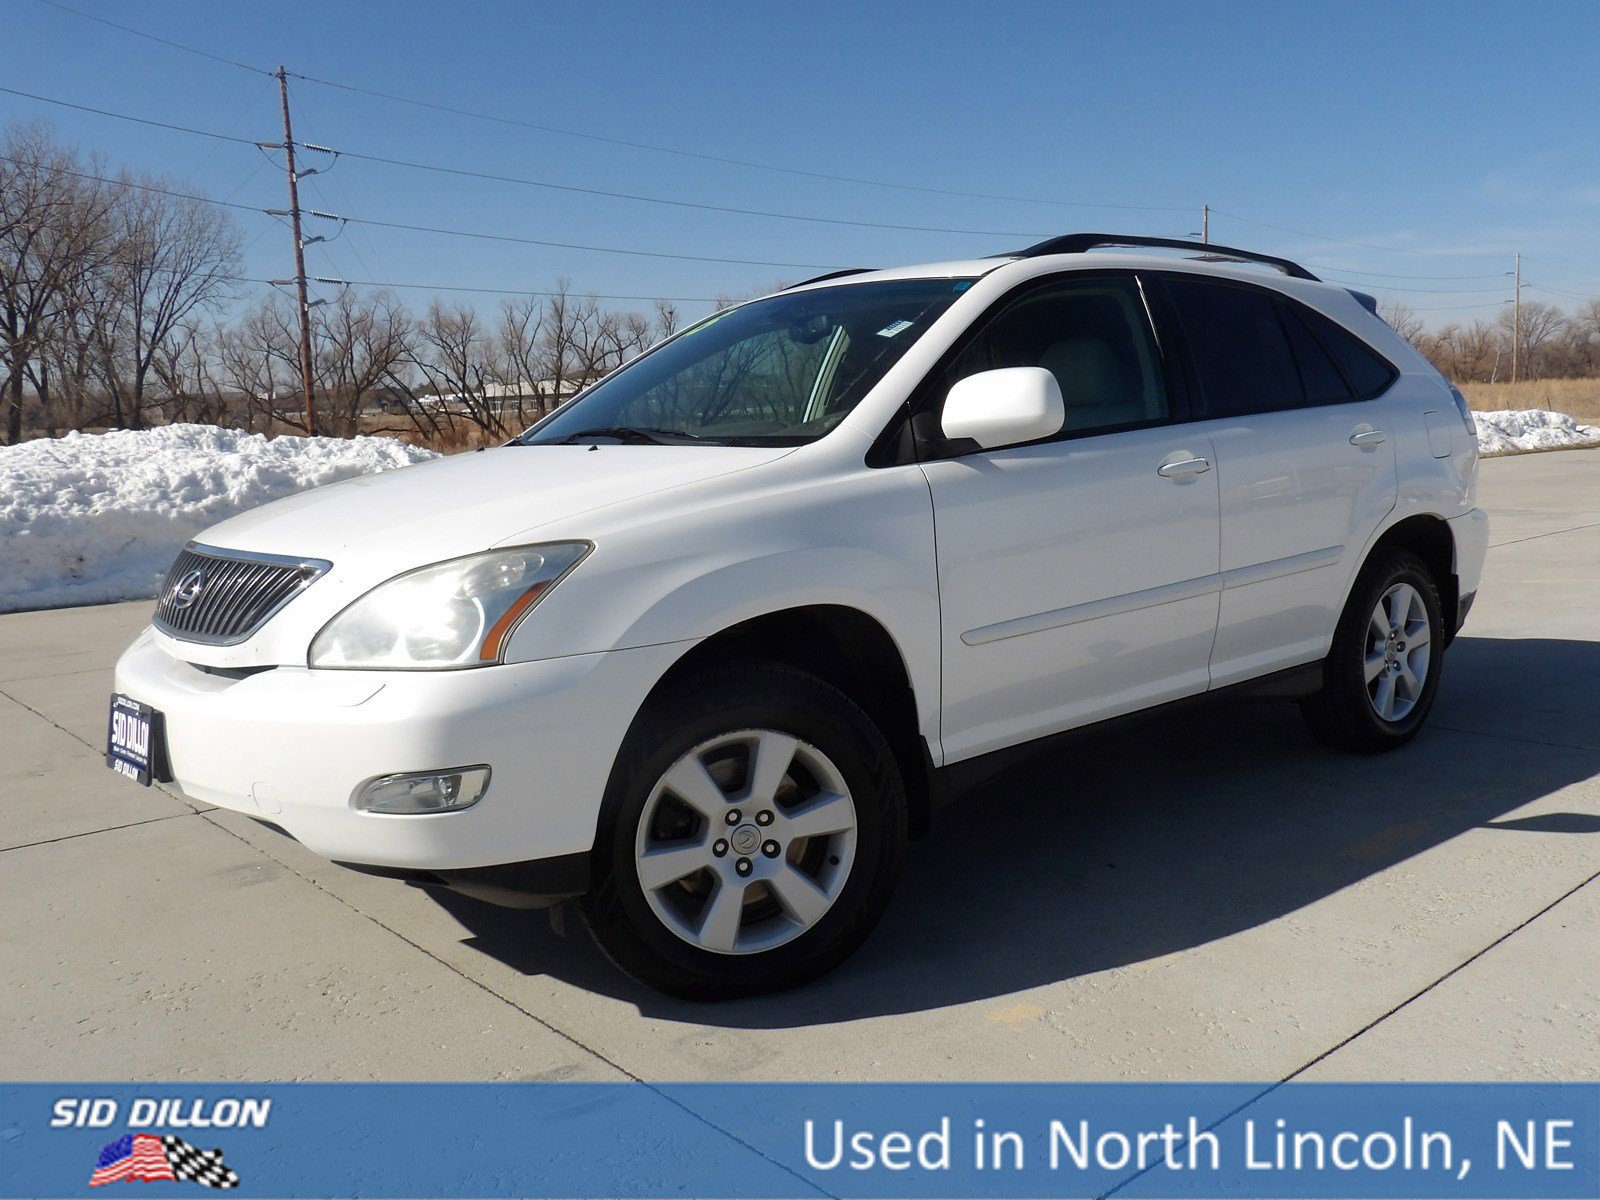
779,371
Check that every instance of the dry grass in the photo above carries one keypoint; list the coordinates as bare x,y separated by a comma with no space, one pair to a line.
1578,398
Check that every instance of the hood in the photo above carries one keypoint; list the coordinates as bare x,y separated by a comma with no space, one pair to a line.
394,520
375,527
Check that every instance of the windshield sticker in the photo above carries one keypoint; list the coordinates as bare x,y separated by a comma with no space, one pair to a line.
894,327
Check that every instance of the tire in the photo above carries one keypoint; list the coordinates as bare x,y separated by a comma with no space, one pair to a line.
1379,683
812,868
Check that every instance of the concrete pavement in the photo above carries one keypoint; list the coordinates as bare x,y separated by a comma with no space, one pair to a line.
1211,897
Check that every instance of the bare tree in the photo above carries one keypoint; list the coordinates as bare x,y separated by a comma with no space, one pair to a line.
667,320
1541,324
1403,319
259,357
172,258
456,356
360,342
53,233
520,334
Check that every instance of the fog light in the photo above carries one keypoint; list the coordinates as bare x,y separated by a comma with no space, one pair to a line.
424,791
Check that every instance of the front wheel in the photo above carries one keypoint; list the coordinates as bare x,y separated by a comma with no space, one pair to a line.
752,832
1382,671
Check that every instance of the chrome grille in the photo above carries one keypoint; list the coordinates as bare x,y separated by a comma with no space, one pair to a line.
222,597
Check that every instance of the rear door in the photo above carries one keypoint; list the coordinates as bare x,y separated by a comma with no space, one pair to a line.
1305,466
1077,575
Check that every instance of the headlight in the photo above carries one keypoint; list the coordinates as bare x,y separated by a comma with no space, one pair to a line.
454,614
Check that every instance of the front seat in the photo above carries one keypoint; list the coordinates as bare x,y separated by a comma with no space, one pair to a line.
1096,386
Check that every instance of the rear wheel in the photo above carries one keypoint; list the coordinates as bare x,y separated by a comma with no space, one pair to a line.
753,830
1382,671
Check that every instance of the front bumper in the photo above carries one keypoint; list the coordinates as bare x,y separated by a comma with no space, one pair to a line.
290,746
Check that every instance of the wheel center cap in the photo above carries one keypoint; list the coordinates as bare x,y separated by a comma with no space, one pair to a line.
745,840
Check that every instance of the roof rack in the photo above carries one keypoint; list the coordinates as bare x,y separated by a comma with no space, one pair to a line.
1082,243
830,275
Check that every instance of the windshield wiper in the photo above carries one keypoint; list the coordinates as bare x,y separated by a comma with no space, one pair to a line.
639,435
623,433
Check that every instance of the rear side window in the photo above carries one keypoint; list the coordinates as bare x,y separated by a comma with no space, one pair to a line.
1239,348
1368,374
1324,382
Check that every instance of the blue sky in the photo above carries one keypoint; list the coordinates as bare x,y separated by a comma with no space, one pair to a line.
1441,137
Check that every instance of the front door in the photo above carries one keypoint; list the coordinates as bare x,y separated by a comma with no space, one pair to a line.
1077,576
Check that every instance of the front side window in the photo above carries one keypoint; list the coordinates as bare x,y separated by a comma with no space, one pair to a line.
1093,335
779,371
1240,352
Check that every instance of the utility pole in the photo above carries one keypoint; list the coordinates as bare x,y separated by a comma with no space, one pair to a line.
1516,318
1205,223
299,258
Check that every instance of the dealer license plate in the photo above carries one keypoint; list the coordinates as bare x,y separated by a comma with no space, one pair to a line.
133,739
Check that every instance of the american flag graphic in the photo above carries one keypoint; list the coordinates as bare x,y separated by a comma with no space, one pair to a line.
147,1158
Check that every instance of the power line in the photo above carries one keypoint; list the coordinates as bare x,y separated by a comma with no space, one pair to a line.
141,187
153,38
1461,307
1558,292
632,145
489,291
101,112
539,183
1383,275
734,162
1436,291
694,204
527,241
1345,241
462,233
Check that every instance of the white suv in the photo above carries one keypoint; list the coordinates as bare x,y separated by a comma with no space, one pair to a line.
707,646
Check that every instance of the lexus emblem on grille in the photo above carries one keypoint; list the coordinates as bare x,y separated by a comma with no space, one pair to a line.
187,590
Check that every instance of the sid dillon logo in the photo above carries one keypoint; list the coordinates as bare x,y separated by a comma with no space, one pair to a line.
155,1157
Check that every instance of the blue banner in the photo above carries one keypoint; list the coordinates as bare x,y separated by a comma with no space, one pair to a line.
759,1141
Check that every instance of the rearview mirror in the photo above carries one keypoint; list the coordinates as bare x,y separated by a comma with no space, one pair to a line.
1004,407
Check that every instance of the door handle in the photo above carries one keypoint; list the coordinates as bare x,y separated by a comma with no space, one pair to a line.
1369,437
1184,467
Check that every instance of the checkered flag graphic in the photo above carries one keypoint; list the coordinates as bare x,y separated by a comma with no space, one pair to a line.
198,1166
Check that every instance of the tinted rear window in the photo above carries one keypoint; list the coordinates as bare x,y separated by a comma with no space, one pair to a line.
1240,352
1323,381
1367,372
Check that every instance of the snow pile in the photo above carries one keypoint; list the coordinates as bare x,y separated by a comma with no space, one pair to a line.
1524,430
91,518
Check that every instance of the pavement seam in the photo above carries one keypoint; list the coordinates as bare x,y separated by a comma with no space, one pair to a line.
1534,537
1511,737
1453,971
51,675
67,837
159,786
1369,1026
570,1038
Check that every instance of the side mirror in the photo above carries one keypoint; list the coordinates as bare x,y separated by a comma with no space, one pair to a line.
1004,407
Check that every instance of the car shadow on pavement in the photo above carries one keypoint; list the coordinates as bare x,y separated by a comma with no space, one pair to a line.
1157,838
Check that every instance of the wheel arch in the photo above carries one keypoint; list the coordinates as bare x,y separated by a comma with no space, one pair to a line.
1428,537
847,648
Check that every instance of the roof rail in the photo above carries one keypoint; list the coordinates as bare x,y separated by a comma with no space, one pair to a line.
830,275
1082,243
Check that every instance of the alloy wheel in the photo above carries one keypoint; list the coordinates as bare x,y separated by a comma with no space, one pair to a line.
746,841
1398,654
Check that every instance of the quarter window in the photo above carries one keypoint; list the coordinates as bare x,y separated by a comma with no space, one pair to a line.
1368,374
1323,381
1094,337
